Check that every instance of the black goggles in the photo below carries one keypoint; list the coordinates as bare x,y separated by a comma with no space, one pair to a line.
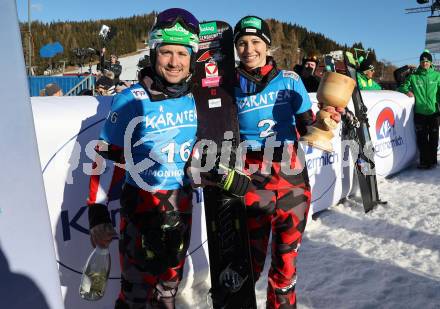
170,17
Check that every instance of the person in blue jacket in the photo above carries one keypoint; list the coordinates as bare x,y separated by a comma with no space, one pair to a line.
274,109
150,132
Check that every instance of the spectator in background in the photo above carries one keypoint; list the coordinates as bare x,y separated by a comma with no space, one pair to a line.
144,62
109,74
307,72
402,73
105,86
119,87
365,76
424,85
86,92
112,65
52,90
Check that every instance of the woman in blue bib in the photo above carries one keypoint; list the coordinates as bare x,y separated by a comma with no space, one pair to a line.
274,109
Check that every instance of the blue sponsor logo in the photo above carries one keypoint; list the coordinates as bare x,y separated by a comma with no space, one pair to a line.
326,158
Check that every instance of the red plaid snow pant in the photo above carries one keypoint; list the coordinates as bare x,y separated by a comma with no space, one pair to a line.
279,205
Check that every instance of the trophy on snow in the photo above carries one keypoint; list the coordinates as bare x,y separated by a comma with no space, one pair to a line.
334,90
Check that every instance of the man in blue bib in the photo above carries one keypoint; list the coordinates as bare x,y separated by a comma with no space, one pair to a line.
150,131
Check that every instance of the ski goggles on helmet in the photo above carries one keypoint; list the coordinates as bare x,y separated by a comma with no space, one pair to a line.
175,26
175,35
312,58
168,18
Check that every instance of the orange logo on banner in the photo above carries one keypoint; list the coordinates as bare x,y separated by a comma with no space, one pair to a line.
211,69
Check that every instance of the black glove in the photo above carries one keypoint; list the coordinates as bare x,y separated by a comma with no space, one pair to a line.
221,175
236,183
230,180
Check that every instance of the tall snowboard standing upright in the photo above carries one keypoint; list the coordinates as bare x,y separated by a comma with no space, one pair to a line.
364,162
232,284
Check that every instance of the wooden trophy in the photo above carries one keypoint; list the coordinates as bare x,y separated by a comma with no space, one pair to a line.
334,90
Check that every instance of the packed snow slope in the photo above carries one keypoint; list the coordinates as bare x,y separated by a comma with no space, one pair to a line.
388,258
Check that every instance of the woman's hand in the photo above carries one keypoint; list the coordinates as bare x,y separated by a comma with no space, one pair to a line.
335,112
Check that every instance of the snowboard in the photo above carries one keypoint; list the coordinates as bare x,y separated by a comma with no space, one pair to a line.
359,128
232,283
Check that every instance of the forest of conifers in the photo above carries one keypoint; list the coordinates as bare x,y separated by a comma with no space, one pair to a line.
290,41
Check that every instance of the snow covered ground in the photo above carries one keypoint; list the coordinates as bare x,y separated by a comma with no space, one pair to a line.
388,258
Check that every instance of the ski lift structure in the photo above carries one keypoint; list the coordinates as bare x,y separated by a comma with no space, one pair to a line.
432,41
434,8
